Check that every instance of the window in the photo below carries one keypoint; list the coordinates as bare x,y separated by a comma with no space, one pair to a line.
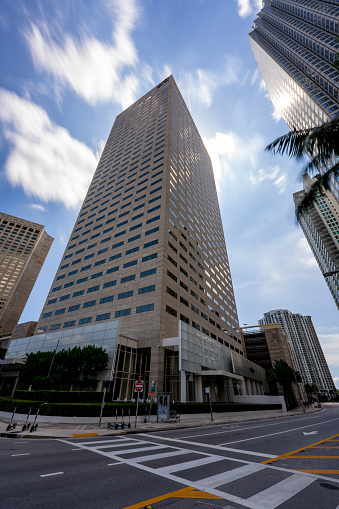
93,289
195,325
85,268
82,280
183,271
130,264
149,257
82,321
122,312
60,311
46,315
98,274
153,219
128,278
184,286
152,243
109,283
55,326
89,304
146,289
67,285
124,295
100,262
69,324
171,292
172,247
171,311
115,257
172,276
184,318
74,308
146,307
133,250
136,237
172,260
184,301
77,294
52,301
149,232
148,272
56,288
113,269
106,299
105,316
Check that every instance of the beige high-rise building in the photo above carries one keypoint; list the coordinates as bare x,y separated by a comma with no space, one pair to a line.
23,249
145,273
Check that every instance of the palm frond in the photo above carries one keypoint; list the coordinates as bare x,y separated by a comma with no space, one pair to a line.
322,182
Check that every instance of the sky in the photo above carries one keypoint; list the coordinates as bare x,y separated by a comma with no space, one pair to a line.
69,67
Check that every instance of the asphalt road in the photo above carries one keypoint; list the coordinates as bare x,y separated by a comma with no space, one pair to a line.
285,463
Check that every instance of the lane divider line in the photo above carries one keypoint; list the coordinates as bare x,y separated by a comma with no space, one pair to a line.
54,473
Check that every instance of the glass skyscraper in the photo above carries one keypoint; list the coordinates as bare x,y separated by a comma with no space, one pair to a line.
295,43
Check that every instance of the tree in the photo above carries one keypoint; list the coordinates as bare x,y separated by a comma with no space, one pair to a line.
284,375
321,144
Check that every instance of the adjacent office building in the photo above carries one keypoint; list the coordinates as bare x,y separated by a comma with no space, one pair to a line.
147,262
23,249
295,43
303,337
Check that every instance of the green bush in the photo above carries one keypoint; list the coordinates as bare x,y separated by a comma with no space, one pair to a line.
63,396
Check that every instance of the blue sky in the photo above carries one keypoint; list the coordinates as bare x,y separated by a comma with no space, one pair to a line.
68,67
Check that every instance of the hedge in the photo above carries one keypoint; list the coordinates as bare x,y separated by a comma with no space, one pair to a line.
63,396
93,409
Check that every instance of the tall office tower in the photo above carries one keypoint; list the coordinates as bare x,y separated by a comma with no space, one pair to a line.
23,250
321,228
303,337
295,44
148,246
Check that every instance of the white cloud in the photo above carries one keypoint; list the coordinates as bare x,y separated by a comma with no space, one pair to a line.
36,206
274,174
98,72
329,343
336,381
45,160
199,85
248,7
228,149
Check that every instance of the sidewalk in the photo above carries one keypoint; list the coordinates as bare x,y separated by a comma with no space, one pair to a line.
82,426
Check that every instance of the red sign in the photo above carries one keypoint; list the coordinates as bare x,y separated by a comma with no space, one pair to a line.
139,386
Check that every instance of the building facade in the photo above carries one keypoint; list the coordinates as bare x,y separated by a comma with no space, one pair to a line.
23,249
265,344
148,249
300,331
295,43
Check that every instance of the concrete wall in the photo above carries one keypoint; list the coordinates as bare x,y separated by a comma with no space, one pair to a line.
264,400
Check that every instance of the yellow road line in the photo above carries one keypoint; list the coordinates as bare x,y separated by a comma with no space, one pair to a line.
85,434
314,457
326,447
184,493
302,449
318,471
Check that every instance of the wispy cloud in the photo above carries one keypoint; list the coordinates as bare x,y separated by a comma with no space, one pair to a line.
228,149
45,160
98,72
336,381
273,174
200,84
248,7
38,207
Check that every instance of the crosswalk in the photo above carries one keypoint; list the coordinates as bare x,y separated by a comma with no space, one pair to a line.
182,465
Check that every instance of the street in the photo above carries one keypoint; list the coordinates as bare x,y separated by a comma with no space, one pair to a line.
275,463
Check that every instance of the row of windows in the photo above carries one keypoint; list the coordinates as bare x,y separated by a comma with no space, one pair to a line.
106,316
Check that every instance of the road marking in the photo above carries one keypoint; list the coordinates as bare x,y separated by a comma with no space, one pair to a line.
319,472
115,463
54,473
184,493
22,454
313,457
217,447
310,432
77,449
160,456
189,464
231,475
278,433
75,435
242,429
325,447
280,492
302,449
112,440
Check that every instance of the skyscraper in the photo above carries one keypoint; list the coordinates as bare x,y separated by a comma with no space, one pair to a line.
295,43
148,246
303,337
23,248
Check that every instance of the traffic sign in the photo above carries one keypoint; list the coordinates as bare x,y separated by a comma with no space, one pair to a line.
139,386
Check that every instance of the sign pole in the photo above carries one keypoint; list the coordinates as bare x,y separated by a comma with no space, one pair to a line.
102,406
136,413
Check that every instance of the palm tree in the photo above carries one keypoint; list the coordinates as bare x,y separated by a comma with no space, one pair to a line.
284,375
321,144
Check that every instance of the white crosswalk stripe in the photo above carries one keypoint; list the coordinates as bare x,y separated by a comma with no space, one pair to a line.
270,498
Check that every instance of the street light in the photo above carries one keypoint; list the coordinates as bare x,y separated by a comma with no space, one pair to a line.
327,274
